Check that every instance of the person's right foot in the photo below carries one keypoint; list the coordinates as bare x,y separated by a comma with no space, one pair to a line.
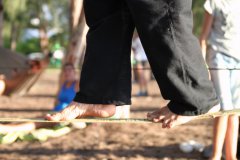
79,110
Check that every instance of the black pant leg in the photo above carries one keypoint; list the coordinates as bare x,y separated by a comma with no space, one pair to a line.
165,29
106,72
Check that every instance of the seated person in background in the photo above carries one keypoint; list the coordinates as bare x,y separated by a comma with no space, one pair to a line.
220,42
69,86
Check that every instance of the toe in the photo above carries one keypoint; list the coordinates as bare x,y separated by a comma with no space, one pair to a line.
165,123
48,117
155,117
54,117
171,124
156,120
150,116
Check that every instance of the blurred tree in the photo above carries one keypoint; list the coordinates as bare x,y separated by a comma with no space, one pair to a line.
198,14
49,17
14,10
28,46
53,20
38,10
1,22
60,21
76,7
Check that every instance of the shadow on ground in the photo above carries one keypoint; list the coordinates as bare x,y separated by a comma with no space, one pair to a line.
145,151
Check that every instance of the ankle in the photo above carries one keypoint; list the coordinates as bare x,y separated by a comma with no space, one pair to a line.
104,111
216,157
108,110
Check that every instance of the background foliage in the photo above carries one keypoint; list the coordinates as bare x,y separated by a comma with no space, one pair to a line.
53,14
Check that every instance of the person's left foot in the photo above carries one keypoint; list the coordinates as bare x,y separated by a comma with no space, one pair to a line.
170,119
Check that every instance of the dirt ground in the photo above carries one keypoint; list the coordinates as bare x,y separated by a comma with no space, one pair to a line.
101,141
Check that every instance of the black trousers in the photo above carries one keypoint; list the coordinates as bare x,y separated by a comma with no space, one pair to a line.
165,30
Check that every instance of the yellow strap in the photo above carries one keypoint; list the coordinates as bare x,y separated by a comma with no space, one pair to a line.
110,120
87,120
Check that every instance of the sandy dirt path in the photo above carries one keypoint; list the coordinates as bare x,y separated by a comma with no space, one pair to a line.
101,141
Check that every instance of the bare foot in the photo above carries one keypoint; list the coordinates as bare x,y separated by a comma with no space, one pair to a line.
170,120
79,110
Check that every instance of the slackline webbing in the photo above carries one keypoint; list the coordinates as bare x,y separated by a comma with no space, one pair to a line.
112,120
131,68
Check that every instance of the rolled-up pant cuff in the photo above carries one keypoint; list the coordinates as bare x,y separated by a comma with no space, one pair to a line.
188,110
95,100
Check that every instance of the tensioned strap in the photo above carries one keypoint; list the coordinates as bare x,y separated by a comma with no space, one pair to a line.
87,120
111,120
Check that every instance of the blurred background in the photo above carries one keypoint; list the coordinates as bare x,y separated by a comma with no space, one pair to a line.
28,26
36,38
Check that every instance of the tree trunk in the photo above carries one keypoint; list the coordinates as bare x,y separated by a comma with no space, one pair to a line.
1,22
14,36
76,10
44,41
